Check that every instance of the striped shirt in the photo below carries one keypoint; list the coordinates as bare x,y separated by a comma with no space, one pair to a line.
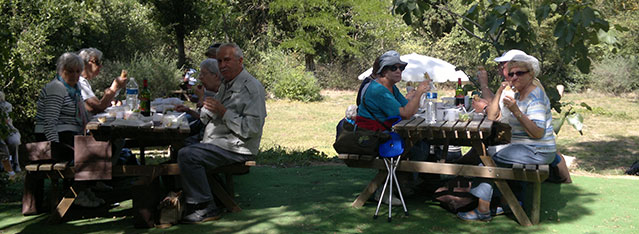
56,111
536,107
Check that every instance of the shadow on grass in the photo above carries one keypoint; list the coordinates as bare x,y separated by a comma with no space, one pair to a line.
619,153
317,200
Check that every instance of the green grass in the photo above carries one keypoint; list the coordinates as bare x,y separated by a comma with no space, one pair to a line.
609,145
286,195
317,200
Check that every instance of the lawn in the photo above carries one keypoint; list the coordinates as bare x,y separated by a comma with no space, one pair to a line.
293,197
317,200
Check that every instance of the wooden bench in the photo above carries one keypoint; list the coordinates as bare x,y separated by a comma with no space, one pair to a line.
147,174
534,174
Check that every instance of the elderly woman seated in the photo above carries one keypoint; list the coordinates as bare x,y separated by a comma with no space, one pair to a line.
382,103
528,113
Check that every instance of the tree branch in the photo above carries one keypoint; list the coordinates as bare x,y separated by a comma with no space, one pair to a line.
455,16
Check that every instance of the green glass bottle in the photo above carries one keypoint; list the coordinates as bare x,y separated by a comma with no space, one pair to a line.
459,93
145,99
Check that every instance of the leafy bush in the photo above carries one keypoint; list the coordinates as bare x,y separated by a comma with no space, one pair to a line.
284,77
616,74
282,157
158,68
340,75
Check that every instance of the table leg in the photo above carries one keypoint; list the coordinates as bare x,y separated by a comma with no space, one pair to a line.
502,185
370,189
142,158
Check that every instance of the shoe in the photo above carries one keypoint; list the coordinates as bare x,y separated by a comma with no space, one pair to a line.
395,202
100,186
500,210
92,196
474,215
83,200
202,212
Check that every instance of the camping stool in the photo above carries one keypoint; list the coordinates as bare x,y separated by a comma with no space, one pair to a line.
391,165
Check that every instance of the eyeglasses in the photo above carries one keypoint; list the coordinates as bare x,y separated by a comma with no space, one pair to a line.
394,68
96,62
71,70
519,73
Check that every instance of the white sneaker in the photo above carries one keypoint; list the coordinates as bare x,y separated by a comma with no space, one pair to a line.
395,202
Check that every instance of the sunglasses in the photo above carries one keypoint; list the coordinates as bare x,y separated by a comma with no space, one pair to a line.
394,68
96,62
519,73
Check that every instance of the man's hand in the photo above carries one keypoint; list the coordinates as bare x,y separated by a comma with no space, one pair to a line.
119,82
214,106
482,75
182,108
198,90
479,104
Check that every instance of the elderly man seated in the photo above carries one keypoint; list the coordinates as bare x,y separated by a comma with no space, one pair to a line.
234,121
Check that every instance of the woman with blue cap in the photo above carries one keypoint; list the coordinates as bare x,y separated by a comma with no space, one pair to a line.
382,104
382,99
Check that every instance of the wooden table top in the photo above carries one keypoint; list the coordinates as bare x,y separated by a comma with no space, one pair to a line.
454,132
149,135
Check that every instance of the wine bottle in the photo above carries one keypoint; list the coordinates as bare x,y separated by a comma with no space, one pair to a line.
145,99
459,93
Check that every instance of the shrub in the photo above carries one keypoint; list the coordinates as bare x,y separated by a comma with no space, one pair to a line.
284,77
156,67
282,157
616,74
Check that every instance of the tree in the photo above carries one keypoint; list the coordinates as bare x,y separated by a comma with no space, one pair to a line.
506,24
575,26
179,18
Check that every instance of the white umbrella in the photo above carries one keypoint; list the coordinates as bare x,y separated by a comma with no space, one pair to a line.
439,70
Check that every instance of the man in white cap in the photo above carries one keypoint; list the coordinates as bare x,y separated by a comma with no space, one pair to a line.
487,94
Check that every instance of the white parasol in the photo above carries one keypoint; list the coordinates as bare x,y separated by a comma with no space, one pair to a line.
439,70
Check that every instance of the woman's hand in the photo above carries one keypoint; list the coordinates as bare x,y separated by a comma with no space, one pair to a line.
423,86
501,88
511,104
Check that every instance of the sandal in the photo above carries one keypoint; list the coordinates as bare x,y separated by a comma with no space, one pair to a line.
474,215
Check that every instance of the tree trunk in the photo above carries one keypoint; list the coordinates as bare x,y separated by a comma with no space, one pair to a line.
310,62
179,37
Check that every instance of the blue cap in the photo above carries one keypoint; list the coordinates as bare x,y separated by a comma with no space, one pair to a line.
393,147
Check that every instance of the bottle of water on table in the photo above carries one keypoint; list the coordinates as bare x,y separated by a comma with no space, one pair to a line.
431,104
132,94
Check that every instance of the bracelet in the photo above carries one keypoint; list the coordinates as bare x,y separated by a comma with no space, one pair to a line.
519,115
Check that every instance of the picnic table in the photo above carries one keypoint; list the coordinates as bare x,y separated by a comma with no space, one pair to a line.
478,132
97,165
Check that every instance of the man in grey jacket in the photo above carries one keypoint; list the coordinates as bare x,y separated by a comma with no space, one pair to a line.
234,121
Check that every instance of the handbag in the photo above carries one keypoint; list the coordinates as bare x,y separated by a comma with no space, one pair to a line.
354,140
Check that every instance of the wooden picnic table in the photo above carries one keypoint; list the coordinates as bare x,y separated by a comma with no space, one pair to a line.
478,133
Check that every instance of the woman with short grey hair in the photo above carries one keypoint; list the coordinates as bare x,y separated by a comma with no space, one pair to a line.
60,110
92,58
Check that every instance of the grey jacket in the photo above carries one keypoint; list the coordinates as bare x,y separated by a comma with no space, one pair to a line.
240,129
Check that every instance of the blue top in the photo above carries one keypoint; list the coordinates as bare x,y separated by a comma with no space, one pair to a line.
381,102
536,107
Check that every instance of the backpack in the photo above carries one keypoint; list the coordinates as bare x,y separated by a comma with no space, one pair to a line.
634,169
455,196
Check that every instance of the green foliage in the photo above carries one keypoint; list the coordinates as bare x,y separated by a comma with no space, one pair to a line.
155,66
616,75
118,28
574,118
282,157
283,76
297,84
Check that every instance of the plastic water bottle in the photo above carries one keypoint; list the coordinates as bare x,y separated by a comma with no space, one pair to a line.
132,94
431,105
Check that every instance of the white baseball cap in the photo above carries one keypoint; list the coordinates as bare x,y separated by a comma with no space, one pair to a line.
508,55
